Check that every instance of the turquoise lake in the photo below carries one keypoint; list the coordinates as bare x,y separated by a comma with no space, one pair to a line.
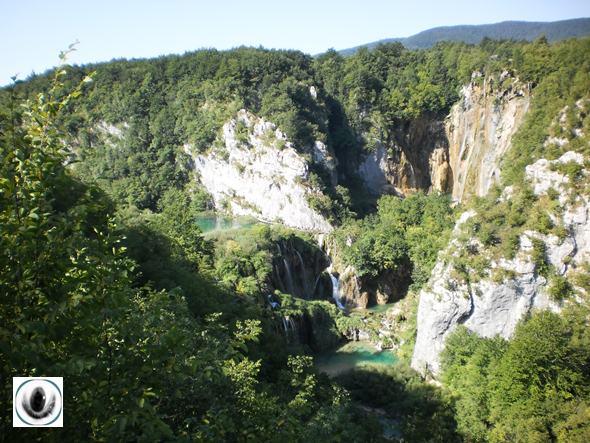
213,223
353,355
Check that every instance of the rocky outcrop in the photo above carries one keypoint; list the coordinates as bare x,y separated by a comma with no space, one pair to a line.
414,157
460,154
256,171
485,307
490,306
544,177
479,130
116,131
374,171
351,291
356,291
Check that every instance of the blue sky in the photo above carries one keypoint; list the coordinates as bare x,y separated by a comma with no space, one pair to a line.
34,31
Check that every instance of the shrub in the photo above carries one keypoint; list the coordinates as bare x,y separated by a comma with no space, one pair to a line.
560,288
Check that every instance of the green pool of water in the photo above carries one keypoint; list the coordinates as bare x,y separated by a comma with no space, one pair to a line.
213,223
353,355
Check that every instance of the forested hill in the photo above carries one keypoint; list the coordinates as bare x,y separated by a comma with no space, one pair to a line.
515,30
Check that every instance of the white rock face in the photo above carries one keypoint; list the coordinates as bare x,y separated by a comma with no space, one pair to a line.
491,308
264,177
543,178
115,131
373,170
322,155
576,216
479,130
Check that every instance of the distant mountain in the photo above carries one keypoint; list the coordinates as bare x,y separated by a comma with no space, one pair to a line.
516,30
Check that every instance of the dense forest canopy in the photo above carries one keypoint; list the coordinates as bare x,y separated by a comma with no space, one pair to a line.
171,101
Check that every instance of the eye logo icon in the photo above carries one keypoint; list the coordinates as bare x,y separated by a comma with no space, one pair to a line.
37,402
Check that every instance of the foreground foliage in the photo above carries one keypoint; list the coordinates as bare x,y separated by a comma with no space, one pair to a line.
139,363
535,387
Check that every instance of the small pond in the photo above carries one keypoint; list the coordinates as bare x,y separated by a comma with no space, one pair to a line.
353,355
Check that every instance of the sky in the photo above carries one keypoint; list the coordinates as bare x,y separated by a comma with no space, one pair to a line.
33,32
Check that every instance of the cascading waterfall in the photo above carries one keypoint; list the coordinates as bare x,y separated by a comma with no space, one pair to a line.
290,327
281,283
304,275
324,246
336,290
290,285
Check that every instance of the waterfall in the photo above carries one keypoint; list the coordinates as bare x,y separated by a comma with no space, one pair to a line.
289,277
315,285
288,285
277,272
304,275
289,325
336,290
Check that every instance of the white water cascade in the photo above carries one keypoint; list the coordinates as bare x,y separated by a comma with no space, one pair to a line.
324,246
336,290
290,328
290,286
304,274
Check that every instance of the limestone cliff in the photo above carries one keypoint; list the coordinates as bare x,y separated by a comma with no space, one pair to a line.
460,153
254,170
479,131
414,157
494,306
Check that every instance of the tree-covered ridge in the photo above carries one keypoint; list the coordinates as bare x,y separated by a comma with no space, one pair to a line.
131,126
381,89
474,34
153,107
